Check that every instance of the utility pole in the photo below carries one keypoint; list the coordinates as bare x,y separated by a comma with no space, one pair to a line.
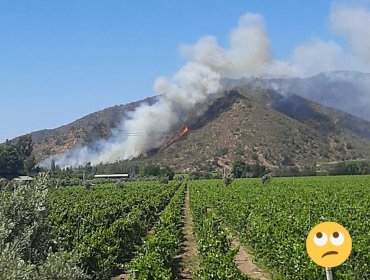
329,273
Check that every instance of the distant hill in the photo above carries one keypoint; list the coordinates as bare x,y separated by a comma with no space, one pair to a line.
83,131
273,122
347,91
271,129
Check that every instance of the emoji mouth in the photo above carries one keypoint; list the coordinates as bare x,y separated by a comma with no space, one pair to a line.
330,253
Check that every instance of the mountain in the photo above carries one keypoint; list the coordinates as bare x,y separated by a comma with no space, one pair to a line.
347,91
271,129
81,132
273,122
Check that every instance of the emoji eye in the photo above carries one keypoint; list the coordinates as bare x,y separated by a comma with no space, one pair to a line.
320,239
337,238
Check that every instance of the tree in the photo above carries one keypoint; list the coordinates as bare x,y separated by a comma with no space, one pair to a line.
239,169
150,170
24,147
16,158
228,179
167,172
10,162
52,166
257,170
24,241
29,164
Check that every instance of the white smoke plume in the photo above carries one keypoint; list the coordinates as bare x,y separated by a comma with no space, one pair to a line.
248,55
191,85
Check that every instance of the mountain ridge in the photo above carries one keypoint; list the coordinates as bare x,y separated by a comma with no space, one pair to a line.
253,121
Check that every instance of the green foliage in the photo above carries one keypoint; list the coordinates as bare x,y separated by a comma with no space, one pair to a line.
351,168
228,179
24,147
103,225
120,184
266,179
274,221
24,240
29,164
150,170
198,175
221,152
10,162
155,256
242,170
309,170
287,161
290,171
167,172
163,180
4,184
217,259
16,158
239,169
154,170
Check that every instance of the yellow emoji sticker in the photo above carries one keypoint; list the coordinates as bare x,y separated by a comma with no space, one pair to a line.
329,244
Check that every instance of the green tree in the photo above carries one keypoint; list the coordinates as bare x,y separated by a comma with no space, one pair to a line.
150,170
52,166
239,169
24,147
10,162
257,170
24,241
167,172
29,164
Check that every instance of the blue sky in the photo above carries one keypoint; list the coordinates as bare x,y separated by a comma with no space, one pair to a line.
60,60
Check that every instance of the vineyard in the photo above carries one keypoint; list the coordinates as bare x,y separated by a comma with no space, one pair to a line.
135,232
103,226
273,220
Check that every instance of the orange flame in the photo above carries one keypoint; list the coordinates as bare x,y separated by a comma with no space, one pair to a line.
183,132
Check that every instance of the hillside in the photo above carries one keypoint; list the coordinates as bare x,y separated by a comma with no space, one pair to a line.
252,121
271,129
83,131
347,91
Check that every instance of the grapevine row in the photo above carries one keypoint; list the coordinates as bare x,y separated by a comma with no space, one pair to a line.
274,220
155,256
102,226
217,257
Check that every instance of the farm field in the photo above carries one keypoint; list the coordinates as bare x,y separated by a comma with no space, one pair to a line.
138,227
103,225
274,220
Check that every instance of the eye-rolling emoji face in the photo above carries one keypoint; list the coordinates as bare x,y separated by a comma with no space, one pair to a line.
329,244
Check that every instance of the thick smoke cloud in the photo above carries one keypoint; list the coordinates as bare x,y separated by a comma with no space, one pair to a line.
191,86
354,25
248,55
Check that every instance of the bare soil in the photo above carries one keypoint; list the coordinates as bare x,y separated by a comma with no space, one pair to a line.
245,263
187,263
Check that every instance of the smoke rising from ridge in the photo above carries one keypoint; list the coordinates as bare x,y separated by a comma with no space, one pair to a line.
248,55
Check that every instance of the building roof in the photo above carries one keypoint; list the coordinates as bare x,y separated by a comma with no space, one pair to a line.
24,178
111,176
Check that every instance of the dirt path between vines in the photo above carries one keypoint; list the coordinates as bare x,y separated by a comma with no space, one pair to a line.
245,263
187,262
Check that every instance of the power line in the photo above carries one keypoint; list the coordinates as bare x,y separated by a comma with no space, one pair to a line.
146,133
3,138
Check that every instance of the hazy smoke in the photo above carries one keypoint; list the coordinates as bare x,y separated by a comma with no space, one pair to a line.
192,85
354,25
248,55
